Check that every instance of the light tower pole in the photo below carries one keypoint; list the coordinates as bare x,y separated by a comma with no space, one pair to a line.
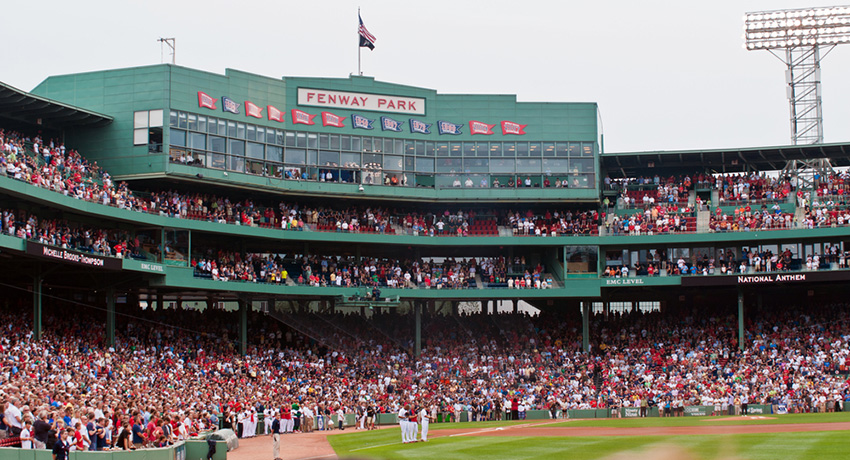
800,38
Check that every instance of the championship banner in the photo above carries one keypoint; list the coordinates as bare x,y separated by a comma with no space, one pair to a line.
205,100
420,127
388,124
274,113
329,119
302,118
479,127
446,127
229,105
253,110
509,127
358,121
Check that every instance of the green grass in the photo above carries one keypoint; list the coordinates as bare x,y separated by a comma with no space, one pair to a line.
824,445
835,417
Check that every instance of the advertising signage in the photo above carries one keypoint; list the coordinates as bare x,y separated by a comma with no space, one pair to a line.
73,257
767,278
361,101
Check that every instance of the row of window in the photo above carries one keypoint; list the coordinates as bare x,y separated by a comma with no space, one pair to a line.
199,125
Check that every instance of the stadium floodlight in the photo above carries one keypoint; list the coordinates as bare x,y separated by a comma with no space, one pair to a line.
800,38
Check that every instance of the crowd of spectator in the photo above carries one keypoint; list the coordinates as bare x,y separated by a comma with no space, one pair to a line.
653,220
174,373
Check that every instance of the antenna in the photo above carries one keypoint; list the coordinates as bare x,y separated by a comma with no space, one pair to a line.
172,43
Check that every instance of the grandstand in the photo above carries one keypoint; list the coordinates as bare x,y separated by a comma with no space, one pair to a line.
216,229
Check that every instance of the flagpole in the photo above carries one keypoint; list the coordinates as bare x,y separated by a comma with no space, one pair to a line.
359,73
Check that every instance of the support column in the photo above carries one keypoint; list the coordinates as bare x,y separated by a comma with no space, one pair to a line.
515,303
110,317
585,326
243,327
417,308
36,305
740,320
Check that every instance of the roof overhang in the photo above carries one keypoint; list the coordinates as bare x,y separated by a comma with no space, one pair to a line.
26,108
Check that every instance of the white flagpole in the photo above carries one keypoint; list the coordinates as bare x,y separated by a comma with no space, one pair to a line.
358,42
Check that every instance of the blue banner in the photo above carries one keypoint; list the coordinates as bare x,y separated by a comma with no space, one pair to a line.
417,126
229,105
445,127
388,124
361,122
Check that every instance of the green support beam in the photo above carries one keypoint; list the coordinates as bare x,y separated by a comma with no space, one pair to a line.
740,319
243,326
36,305
585,326
417,308
110,317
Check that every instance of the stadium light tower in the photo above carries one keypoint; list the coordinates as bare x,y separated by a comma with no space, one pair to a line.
800,38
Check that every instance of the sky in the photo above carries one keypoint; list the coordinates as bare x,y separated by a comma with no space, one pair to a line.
667,75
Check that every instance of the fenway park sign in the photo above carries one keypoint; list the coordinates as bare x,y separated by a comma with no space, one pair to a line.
361,101
73,257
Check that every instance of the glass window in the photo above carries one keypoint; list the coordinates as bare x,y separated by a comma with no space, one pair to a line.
278,137
256,151
327,158
534,149
389,146
356,144
344,142
202,124
274,153
350,160
261,134
295,156
468,148
451,165
240,130
178,138
496,149
367,144
324,141
172,120
290,139
522,149
575,149
476,165
372,161
197,141
410,149
482,149
548,149
393,163
398,146
231,129
312,141
216,161
562,149
455,149
236,164
528,165
140,136
555,165
503,165
429,148
222,130
424,165
301,139
581,165
140,119
181,120
442,149
218,144
408,164
586,149
192,124
334,142
312,158
237,147
509,149
251,133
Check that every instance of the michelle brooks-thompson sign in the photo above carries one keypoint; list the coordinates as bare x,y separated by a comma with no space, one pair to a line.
361,101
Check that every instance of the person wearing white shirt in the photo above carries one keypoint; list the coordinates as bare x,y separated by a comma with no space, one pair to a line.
424,420
26,436
402,422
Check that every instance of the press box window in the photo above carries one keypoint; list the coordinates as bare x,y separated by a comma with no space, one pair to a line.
147,129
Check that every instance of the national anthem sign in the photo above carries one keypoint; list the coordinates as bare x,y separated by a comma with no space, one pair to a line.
770,279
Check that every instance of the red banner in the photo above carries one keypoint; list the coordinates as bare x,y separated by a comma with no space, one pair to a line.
274,113
302,118
479,127
253,110
509,127
205,100
329,119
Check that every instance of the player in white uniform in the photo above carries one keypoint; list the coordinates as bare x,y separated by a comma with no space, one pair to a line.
424,420
402,422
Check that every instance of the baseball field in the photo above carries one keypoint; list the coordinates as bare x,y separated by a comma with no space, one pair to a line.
795,436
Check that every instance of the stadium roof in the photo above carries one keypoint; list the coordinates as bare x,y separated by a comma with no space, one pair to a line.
25,108
634,164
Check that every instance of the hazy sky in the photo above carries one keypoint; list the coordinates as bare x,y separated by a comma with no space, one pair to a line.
666,74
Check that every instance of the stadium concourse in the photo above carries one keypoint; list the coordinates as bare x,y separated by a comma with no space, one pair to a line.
170,268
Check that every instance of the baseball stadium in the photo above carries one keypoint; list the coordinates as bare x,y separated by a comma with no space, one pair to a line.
235,266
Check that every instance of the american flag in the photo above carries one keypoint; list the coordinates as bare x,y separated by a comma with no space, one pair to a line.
366,38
